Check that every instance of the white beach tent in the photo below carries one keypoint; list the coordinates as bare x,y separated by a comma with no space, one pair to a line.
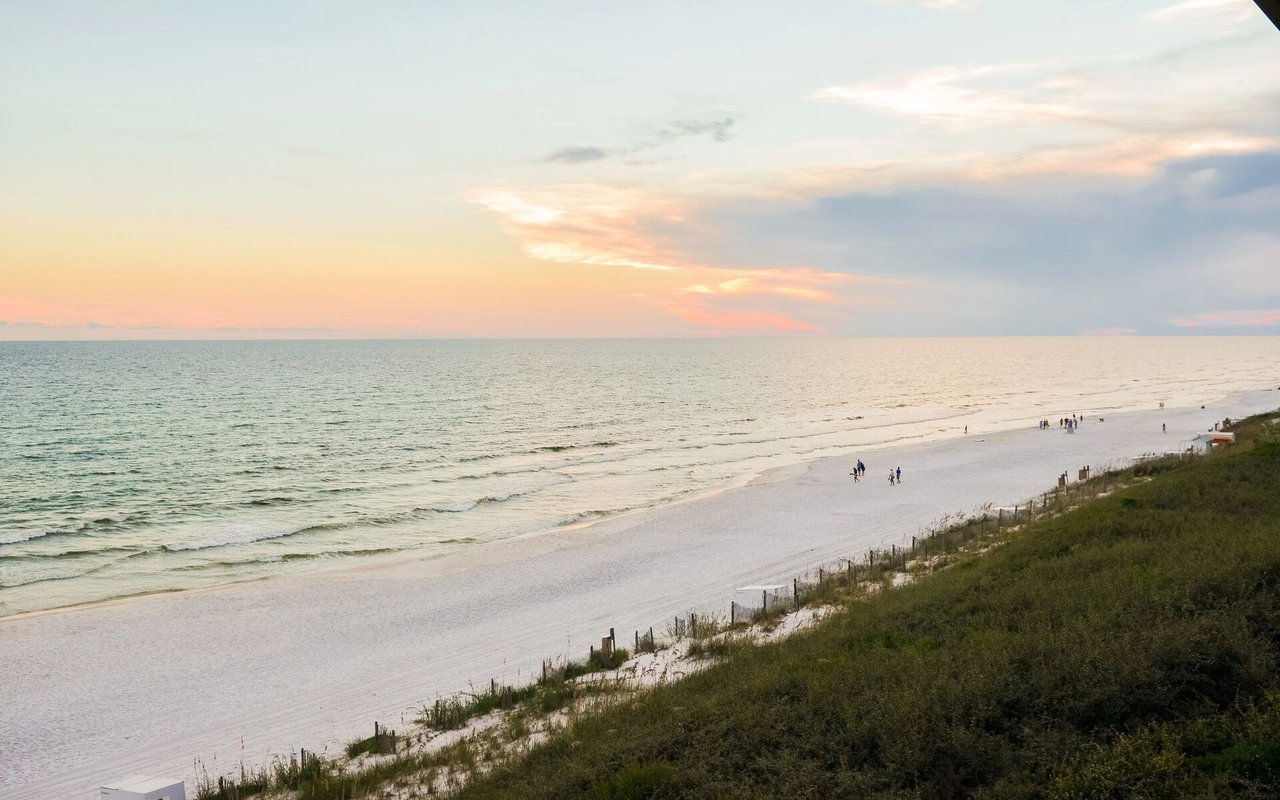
757,598
142,787
1207,441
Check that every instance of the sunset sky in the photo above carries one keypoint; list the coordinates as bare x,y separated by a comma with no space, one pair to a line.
863,167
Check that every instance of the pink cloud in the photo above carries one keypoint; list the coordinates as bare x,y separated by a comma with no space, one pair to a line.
1231,319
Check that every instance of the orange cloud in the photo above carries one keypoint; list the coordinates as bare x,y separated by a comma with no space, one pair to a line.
608,226
698,312
584,224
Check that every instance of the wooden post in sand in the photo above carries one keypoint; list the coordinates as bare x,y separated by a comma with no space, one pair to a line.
732,608
1000,519
795,591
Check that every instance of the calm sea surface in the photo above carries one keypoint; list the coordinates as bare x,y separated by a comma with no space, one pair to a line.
152,466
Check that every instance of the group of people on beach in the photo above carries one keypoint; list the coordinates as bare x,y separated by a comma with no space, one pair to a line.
1068,423
860,469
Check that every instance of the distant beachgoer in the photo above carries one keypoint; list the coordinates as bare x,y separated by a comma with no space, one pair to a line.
966,429
862,467
855,475
898,475
890,477
1164,428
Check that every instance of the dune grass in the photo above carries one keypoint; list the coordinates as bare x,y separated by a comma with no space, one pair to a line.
1128,647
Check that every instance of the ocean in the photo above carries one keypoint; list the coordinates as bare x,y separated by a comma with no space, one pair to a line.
136,467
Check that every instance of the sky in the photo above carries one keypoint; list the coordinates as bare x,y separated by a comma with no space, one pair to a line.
602,169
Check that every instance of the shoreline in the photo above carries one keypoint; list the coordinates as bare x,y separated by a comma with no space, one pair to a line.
309,659
757,477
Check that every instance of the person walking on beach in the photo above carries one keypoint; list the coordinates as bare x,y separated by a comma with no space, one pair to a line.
1164,428
854,474
898,475
862,468
890,477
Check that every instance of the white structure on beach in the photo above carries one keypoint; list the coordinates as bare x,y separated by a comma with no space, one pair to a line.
763,597
1205,442
141,787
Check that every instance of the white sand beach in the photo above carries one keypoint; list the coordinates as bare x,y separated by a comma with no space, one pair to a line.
241,672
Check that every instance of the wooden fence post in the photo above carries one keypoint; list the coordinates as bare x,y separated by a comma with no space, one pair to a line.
795,591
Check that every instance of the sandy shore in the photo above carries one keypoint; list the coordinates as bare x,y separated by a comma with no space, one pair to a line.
245,671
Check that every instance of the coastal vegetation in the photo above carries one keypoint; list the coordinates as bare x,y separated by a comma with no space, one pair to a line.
1123,644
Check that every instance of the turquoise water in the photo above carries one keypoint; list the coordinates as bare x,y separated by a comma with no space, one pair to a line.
131,467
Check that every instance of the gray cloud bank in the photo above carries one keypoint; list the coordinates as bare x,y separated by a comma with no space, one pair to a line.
1184,249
